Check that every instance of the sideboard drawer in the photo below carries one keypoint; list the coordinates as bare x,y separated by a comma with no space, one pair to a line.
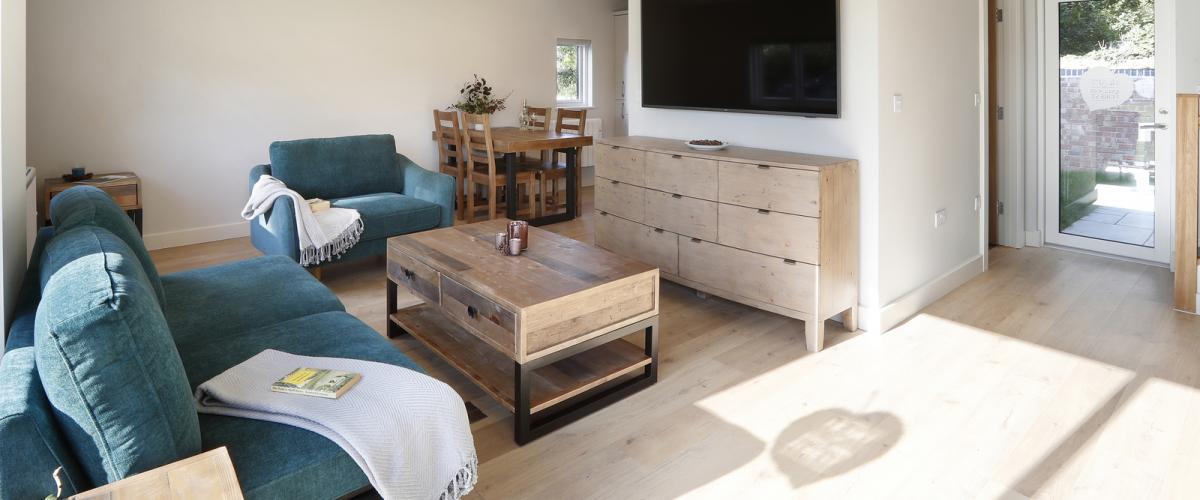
694,177
653,246
620,164
680,214
773,233
620,198
486,319
787,284
420,278
771,188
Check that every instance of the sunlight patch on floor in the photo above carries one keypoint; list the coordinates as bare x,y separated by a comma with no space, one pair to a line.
875,420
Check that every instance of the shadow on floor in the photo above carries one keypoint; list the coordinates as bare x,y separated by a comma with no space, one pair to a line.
832,442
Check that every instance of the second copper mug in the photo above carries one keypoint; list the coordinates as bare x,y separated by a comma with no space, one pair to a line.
519,229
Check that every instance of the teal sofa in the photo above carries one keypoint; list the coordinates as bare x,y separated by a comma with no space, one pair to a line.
394,195
104,354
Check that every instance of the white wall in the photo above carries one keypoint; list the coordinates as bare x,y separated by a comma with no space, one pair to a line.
190,94
12,152
854,135
931,151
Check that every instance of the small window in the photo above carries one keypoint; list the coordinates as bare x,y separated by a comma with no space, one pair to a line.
573,64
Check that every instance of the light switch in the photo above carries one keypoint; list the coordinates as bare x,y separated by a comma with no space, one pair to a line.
897,103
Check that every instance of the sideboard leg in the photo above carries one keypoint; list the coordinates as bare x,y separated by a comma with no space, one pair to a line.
850,319
814,334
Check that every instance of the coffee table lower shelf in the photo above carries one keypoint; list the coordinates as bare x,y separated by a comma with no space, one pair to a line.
554,382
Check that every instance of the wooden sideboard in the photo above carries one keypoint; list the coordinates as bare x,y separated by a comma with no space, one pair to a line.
770,229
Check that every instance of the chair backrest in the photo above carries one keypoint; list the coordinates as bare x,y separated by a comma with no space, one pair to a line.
449,135
541,117
571,121
477,143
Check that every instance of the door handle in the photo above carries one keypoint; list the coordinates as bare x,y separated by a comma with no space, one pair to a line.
1155,126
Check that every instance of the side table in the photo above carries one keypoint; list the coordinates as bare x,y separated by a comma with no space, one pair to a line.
208,475
126,191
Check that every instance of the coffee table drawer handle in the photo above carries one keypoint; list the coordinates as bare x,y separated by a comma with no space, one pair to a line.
472,312
408,273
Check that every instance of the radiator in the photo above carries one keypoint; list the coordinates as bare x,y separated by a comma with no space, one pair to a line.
31,211
595,128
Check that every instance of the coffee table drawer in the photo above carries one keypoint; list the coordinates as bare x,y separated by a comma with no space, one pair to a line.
486,319
418,277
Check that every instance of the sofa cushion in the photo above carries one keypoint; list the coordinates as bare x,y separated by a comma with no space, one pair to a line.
337,167
106,360
275,460
389,214
206,304
88,205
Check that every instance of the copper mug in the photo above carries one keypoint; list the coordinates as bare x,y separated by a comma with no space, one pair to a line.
519,229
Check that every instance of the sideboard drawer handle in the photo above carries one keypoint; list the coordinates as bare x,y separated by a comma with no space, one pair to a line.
657,230
764,167
789,262
615,147
696,240
677,196
615,182
764,212
472,312
677,156
603,213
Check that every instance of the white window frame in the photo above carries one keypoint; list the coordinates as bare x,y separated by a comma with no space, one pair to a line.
584,60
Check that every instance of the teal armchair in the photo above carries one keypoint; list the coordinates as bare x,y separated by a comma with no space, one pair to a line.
394,195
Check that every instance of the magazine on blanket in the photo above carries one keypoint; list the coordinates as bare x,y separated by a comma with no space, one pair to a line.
317,382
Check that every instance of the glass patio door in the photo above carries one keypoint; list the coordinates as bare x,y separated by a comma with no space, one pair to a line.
1108,102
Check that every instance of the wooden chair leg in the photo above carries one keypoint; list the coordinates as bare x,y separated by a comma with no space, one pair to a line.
541,181
492,199
459,186
470,216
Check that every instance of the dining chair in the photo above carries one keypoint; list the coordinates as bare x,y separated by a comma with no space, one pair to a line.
541,121
450,161
480,154
569,121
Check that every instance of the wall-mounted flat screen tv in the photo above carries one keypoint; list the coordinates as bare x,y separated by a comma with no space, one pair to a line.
758,56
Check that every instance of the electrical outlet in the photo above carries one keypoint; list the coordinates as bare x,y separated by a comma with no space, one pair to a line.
976,203
939,218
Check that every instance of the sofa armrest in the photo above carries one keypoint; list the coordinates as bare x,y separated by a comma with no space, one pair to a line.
275,233
434,187
256,172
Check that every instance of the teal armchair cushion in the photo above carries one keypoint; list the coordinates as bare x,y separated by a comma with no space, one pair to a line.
337,167
427,185
390,214
107,361
89,206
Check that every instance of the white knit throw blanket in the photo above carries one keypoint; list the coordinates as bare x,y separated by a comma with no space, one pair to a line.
323,235
407,431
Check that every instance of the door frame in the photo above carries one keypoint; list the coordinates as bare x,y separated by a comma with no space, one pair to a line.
1048,91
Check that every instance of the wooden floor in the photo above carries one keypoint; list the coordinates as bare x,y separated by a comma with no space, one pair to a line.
1054,375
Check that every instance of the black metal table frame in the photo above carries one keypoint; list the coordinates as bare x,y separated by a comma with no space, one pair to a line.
525,427
510,168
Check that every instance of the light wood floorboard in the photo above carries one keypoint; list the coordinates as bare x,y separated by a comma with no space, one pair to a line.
1053,375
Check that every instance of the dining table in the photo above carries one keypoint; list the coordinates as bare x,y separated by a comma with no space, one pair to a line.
512,141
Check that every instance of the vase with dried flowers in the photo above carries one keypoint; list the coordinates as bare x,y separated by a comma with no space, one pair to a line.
476,97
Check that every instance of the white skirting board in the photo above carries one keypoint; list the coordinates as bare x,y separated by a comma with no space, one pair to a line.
883,319
1033,238
192,236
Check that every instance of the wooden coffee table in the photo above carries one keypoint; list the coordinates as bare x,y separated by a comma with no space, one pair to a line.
543,333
